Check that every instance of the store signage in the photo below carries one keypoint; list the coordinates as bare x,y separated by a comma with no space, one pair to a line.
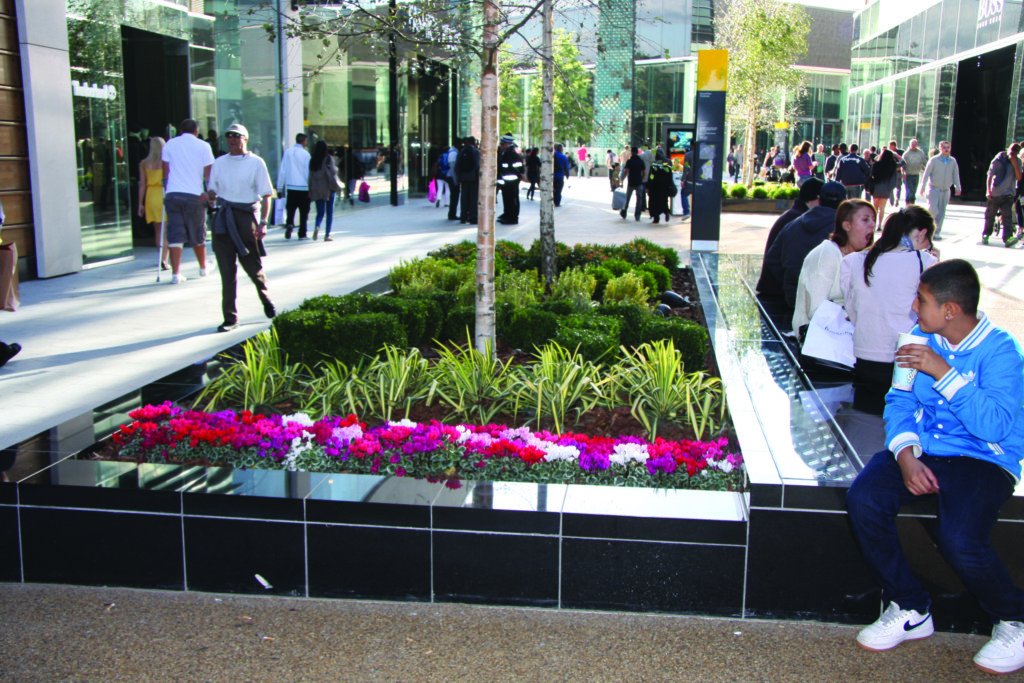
96,92
990,12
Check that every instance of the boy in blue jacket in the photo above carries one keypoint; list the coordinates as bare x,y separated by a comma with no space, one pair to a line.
958,434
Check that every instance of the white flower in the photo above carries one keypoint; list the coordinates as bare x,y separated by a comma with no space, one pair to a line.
350,433
299,445
403,423
624,452
300,419
723,466
556,452
464,433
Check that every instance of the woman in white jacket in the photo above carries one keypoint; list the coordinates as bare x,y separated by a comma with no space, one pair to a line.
879,287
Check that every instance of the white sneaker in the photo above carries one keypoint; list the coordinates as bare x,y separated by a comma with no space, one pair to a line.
893,627
177,279
1005,652
202,272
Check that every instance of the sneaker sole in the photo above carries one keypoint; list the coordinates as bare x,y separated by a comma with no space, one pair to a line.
910,637
996,671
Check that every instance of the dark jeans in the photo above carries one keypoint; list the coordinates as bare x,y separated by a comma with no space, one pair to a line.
297,199
468,196
684,201
453,199
325,206
1003,206
971,493
224,250
559,183
630,189
911,183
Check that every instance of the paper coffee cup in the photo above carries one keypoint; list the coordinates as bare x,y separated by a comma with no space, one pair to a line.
903,378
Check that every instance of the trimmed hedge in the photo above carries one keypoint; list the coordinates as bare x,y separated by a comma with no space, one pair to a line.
529,327
309,336
690,338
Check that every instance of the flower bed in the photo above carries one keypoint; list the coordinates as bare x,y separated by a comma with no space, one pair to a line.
170,434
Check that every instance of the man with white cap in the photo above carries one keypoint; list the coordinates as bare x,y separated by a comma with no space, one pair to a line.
510,172
240,184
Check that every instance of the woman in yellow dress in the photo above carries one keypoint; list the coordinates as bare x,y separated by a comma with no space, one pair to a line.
151,194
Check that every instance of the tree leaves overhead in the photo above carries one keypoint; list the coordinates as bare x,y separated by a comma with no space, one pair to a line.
573,104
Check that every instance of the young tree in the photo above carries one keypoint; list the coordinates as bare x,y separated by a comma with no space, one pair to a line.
765,38
572,101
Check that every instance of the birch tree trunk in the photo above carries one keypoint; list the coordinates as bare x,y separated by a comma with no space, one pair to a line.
484,332
748,153
548,265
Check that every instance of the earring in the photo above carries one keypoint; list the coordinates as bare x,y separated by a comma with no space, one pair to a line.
947,317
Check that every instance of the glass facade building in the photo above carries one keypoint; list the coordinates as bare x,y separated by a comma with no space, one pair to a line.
947,70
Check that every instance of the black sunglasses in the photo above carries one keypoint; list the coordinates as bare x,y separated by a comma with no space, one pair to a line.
232,135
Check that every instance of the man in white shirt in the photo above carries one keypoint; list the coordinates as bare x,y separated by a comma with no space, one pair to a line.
186,161
241,185
293,180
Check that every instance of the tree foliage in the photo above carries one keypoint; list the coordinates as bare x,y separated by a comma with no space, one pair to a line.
511,92
573,102
765,38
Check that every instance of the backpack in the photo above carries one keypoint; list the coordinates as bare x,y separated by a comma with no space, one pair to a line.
849,172
464,162
1005,161
442,163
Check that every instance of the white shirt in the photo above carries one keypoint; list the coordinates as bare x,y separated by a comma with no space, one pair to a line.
819,280
294,171
187,158
883,310
242,178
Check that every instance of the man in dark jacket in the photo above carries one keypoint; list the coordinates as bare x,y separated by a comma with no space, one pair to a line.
852,171
636,172
467,173
510,173
787,253
768,285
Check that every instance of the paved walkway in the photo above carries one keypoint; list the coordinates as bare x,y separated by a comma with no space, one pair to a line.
63,633
92,337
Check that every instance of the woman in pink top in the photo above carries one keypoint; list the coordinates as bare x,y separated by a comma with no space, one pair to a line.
804,163
879,287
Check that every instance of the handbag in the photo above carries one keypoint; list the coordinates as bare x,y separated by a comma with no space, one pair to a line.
279,206
364,192
432,191
829,338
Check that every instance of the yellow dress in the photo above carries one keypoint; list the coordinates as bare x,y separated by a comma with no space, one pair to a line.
154,195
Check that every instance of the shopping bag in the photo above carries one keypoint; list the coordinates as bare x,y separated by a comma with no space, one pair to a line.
9,298
829,337
364,192
279,211
432,191
619,200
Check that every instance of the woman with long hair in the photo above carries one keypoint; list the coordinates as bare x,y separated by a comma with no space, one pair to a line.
819,275
533,171
323,187
879,287
804,163
884,177
151,196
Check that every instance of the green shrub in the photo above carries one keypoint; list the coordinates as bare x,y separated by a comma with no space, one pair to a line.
589,321
738,191
631,321
575,286
349,304
512,253
601,277
759,192
531,261
559,308
592,345
758,183
650,282
460,252
460,321
627,289
311,336
438,305
618,267
639,251
416,277
530,327
420,322
725,190
518,287
690,338
662,278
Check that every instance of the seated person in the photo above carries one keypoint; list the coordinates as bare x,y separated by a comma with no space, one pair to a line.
768,285
819,273
786,256
958,434
879,287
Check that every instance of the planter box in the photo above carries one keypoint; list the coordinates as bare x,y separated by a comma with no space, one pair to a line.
778,206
